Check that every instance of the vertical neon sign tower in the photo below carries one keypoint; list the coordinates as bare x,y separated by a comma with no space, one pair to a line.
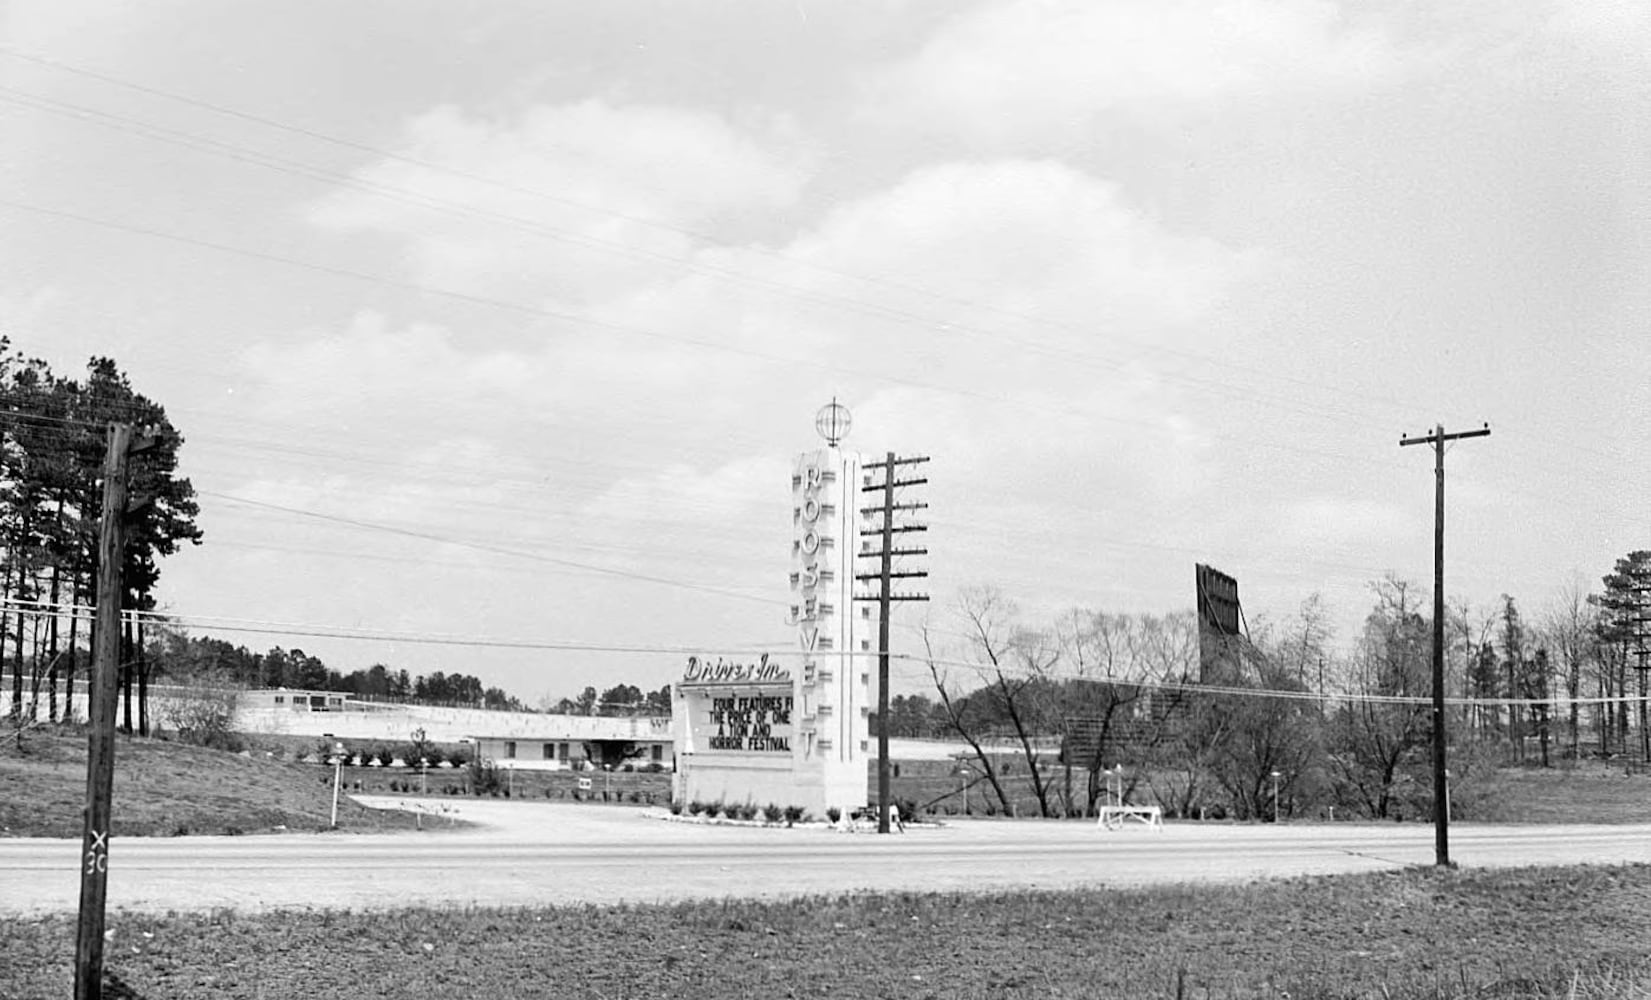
760,732
832,699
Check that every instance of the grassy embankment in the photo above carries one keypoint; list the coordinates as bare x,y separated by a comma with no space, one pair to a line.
169,789
1573,933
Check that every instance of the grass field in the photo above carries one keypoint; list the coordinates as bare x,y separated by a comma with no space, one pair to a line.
1586,791
1579,932
169,789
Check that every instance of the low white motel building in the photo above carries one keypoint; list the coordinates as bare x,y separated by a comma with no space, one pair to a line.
574,742
526,740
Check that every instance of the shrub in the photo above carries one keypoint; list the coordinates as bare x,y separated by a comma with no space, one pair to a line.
696,807
419,746
772,813
747,811
793,814
676,808
484,778
201,711
834,814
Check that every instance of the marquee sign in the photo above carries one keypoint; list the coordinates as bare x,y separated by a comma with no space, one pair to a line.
759,724
704,671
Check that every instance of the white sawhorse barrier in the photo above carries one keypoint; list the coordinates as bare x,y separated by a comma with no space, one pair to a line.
1113,817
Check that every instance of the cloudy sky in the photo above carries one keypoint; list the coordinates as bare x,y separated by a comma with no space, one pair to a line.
507,320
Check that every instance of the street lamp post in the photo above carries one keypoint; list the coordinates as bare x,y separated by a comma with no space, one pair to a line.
337,776
1275,796
423,790
963,786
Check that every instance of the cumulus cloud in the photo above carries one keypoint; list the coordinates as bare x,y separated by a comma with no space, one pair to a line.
567,202
1021,71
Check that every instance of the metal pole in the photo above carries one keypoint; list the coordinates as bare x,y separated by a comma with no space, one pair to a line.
100,758
337,779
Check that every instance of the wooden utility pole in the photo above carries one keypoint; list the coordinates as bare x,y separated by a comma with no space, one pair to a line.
100,758
885,575
1640,667
1441,794
1641,587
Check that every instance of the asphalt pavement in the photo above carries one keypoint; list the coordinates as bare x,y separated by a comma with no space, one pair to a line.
528,854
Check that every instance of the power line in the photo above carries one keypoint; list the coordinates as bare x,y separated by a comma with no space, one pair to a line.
914,663
498,550
85,613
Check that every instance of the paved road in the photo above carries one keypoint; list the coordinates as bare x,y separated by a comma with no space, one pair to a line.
549,853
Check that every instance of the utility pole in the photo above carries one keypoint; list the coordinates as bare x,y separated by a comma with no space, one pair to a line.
1441,808
1641,587
100,758
885,576
1640,652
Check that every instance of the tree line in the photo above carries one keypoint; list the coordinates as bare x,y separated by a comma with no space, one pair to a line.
1095,704
52,445
619,700
182,656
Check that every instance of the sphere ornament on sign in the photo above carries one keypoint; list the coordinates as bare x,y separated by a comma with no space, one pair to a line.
833,422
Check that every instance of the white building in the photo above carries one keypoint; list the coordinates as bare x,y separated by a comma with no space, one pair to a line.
574,742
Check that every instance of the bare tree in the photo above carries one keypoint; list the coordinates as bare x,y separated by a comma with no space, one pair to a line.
1568,625
961,720
1371,741
1017,661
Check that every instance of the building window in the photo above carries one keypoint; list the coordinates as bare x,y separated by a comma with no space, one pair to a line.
659,753
564,753
510,749
280,699
549,751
